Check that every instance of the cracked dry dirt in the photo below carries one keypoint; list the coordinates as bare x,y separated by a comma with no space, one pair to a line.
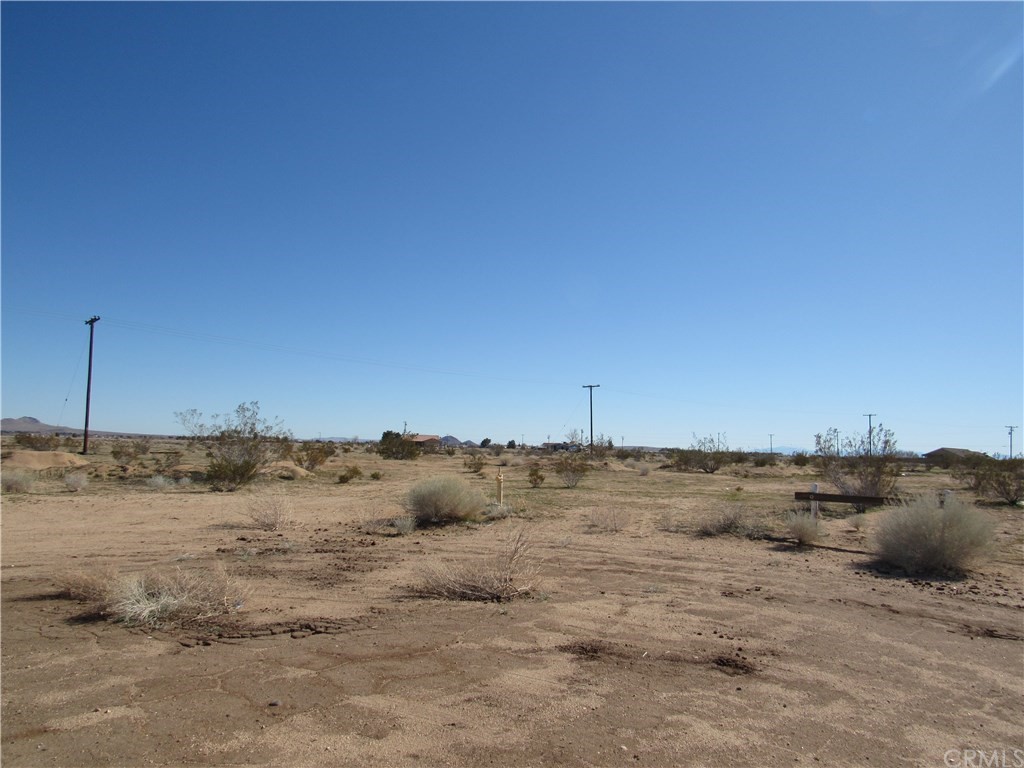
642,647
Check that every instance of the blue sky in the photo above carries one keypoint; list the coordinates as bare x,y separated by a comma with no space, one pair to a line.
747,219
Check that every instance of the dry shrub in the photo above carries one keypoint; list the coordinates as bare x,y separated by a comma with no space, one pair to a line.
154,598
404,524
15,481
858,521
729,522
508,575
607,520
159,483
76,482
927,536
804,527
444,500
270,513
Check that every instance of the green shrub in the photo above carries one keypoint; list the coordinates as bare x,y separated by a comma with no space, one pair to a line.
571,468
376,475
241,444
394,445
1006,481
929,537
314,454
474,462
535,477
800,459
443,500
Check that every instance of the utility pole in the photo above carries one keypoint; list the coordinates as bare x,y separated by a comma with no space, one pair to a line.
870,447
91,322
1011,439
771,445
591,388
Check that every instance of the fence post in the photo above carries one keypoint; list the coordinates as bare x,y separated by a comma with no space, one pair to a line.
814,504
501,481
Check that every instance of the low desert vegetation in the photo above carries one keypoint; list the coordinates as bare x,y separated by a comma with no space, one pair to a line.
159,483
730,522
803,527
998,479
33,442
535,477
157,598
240,444
395,445
128,451
571,468
858,521
16,481
313,454
607,520
474,462
445,500
933,536
269,513
76,482
866,465
510,574
350,473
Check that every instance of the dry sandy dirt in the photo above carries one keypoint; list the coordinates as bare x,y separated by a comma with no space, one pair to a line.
641,646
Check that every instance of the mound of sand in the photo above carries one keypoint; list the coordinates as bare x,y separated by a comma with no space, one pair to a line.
285,470
40,460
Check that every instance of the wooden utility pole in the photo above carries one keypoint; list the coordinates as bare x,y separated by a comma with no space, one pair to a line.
91,322
591,388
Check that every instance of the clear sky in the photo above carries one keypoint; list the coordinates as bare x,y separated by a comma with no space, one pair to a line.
750,219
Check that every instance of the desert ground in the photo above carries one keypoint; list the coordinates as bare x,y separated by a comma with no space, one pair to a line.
641,643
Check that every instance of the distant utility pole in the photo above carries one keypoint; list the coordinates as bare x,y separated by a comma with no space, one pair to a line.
591,388
771,445
1011,439
91,322
869,415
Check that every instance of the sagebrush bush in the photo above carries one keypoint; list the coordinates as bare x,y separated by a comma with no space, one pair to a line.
804,527
929,537
443,500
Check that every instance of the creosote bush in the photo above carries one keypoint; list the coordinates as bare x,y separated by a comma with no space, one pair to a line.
313,454
571,468
352,472
35,442
240,444
929,537
535,477
445,500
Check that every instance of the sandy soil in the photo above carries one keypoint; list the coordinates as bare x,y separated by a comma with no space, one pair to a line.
641,647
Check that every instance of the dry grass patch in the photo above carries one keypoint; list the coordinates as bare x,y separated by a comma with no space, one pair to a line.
804,527
607,520
157,598
270,513
16,481
510,574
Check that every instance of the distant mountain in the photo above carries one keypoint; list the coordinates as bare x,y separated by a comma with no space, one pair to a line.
449,440
34,425
30,424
